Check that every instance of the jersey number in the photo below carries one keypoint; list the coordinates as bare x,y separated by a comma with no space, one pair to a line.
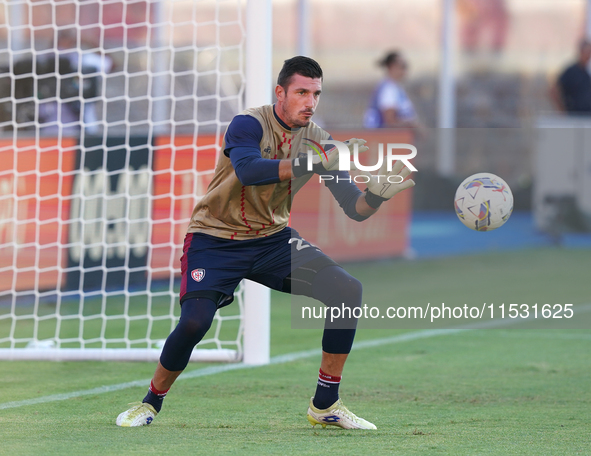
300,244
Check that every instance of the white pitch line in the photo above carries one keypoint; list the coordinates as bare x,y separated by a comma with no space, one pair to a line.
539,335
280,359
212,370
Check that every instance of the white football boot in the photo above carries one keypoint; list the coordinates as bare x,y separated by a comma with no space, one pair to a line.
138,415
337,415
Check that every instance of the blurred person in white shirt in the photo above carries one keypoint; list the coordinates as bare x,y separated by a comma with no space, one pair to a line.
390,106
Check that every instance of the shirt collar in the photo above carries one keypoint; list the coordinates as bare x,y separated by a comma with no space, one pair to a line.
283,124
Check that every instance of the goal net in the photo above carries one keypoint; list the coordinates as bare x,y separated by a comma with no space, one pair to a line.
111,116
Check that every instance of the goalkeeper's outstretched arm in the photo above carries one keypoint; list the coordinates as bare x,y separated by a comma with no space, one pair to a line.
380,187
364,209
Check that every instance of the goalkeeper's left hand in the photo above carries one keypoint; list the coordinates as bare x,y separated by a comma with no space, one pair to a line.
330,162
385,184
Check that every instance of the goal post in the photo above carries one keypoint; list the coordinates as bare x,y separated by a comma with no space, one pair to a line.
257,322
105,147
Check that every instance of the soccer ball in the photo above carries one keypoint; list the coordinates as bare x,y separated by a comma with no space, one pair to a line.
483,202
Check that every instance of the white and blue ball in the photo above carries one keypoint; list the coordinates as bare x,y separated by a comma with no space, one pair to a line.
483,202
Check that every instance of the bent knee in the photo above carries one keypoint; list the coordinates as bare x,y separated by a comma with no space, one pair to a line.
348,288
192,327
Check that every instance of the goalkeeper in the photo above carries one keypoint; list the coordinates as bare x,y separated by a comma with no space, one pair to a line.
239,230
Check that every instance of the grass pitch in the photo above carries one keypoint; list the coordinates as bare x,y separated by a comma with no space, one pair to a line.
505,391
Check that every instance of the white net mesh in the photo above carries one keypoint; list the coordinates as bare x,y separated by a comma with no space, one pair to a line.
110,120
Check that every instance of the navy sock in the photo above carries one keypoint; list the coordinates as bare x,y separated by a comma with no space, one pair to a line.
196,317
327,390
155,397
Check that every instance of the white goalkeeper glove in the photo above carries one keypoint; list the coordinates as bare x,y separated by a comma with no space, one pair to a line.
384,185
330,162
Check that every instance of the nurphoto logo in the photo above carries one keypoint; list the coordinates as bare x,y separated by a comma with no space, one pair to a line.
345,159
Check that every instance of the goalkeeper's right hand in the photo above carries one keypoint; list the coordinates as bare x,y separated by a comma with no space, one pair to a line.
384,185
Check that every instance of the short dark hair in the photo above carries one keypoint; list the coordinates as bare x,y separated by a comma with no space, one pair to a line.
304,66
389,59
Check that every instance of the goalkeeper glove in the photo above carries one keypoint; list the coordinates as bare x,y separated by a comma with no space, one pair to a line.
384,185
328,162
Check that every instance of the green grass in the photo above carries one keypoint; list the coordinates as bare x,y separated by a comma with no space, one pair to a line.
483,392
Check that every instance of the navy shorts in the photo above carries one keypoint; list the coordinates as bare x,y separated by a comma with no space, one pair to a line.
213,267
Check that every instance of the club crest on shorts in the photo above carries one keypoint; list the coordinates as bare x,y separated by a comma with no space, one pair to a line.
198,274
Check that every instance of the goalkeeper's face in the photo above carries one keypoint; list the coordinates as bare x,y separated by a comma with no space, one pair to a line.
296,104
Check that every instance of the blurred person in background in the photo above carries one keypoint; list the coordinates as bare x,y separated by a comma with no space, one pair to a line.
479,19
80,80
390,106
572,91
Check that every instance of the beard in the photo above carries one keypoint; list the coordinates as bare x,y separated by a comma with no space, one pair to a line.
294,121
301,123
